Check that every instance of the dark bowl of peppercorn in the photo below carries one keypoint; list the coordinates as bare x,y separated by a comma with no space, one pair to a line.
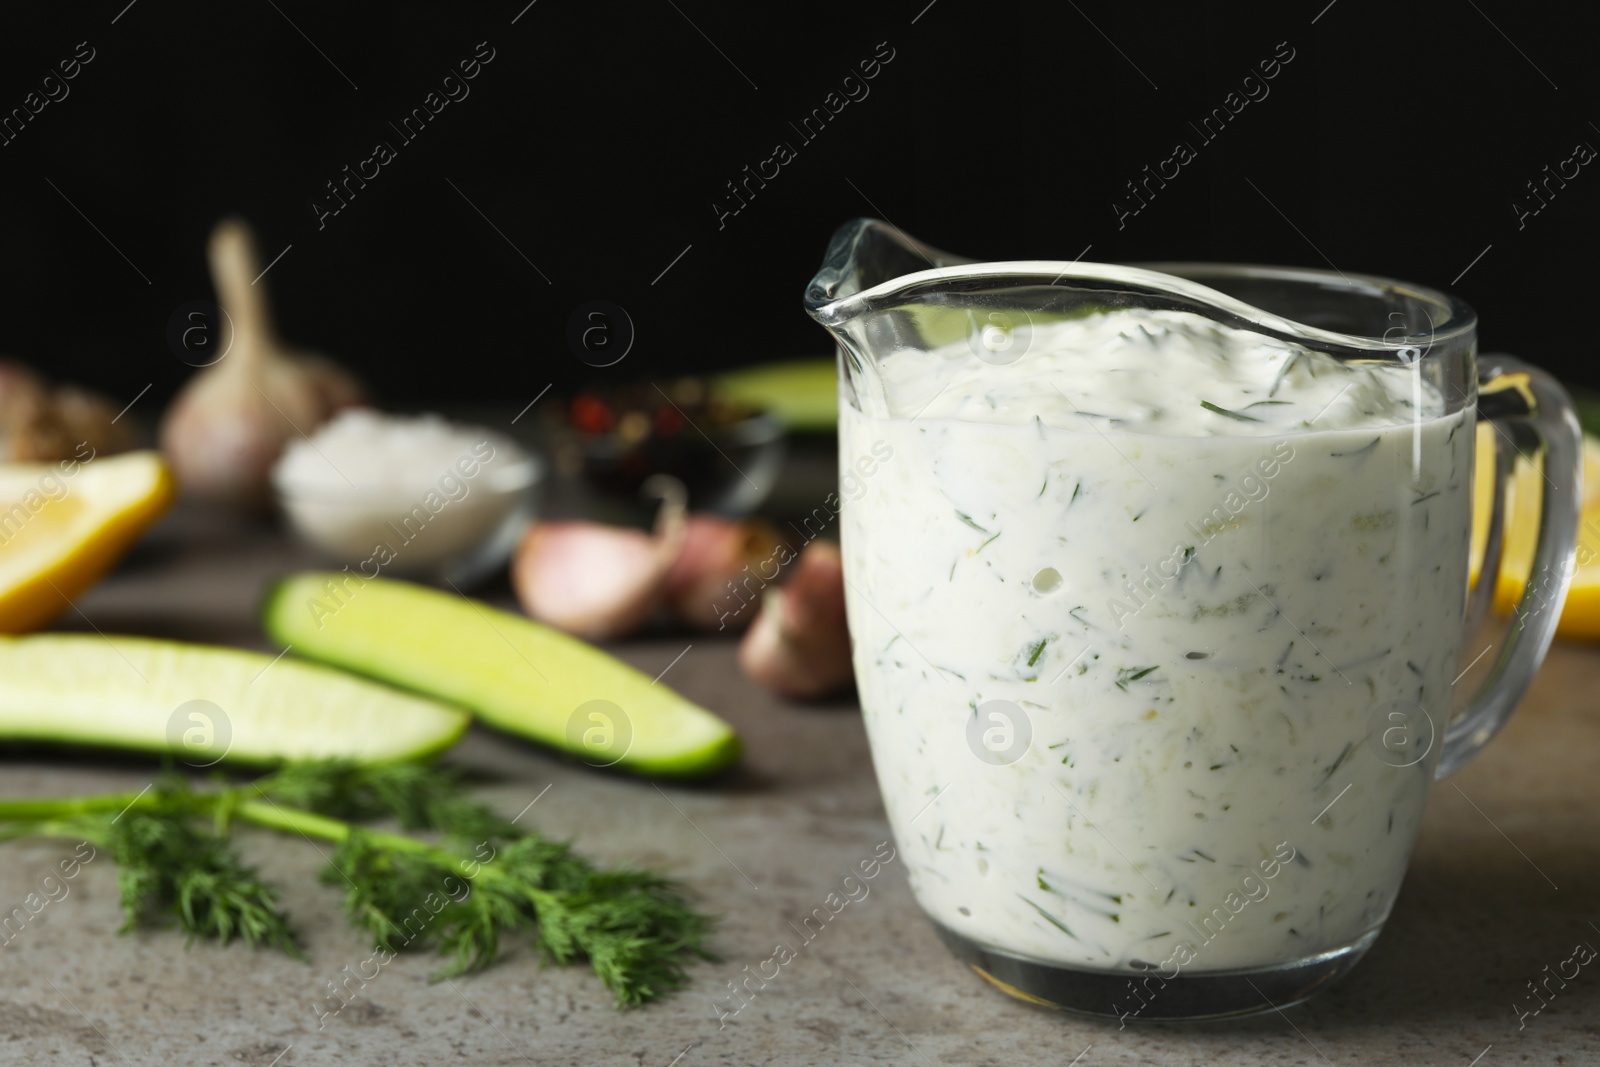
727,453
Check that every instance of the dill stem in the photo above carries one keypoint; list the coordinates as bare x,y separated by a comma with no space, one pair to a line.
45,828
276,817
58,811
52,817
19,809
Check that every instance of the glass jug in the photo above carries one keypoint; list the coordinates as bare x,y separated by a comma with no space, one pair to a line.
1157,580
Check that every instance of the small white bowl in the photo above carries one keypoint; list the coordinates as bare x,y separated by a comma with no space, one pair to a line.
451,525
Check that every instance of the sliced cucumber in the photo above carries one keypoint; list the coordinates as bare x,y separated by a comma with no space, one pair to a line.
517,675
206,704
802,394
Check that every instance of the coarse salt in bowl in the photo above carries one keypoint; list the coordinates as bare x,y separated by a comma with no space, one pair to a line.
408,495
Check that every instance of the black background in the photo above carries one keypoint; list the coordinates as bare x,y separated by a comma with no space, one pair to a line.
599,137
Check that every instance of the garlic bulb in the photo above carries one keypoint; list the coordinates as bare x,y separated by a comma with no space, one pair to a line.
231,421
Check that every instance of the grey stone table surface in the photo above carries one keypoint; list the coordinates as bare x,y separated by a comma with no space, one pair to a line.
1505,881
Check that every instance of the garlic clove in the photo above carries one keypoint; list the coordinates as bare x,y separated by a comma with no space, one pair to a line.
799,645
595,581
719,556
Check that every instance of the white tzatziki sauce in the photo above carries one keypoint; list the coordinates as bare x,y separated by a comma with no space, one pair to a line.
1135,620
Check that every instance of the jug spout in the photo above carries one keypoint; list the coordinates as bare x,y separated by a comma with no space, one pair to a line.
863,254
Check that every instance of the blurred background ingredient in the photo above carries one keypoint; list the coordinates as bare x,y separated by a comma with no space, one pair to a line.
413,495
595,581
601,582
802,394
64,524
727,452
724,562
40,422
230,422
799,646
1580,614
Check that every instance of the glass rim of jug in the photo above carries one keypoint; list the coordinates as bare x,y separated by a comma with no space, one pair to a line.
838,292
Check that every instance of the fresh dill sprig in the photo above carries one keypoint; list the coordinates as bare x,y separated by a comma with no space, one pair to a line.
169,868
482,881
634,927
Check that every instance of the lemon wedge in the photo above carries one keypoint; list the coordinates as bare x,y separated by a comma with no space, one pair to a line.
63,525
1580,615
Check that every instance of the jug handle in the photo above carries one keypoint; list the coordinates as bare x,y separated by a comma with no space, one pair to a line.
1532,414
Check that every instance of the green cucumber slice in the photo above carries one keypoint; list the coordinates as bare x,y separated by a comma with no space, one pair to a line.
514,673
206,704
802,394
